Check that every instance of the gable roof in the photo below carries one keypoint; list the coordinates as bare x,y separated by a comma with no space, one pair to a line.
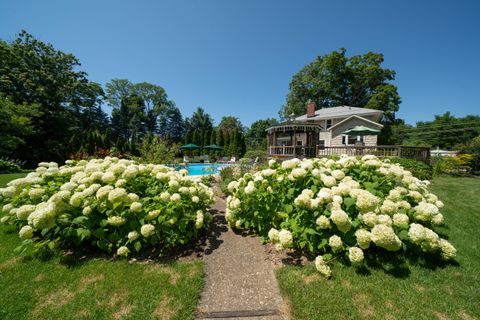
376,124
339,112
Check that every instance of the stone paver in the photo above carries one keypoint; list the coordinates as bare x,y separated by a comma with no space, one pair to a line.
240,283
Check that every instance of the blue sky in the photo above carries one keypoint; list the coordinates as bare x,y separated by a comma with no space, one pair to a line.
237,57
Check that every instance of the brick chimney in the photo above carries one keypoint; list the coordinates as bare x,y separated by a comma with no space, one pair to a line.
310,109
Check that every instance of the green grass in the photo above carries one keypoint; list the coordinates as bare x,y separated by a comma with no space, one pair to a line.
413,289
93,288
5,178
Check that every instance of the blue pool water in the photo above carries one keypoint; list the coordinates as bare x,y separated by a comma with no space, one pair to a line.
198,169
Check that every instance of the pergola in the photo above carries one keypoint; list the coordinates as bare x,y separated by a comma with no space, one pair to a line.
292,129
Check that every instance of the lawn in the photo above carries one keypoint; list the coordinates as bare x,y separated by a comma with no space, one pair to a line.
94,288
415,289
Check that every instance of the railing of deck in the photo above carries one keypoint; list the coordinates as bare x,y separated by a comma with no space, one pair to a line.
419,153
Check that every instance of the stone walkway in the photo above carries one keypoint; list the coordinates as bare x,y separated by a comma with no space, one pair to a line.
240,283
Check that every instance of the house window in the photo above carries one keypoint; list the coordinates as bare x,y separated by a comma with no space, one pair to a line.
350,140
299,143
329,123
321,144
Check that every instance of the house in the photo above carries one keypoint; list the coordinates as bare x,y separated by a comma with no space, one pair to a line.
317,130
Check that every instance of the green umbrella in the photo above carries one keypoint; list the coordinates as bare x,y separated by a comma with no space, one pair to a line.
190,146
213,147
361,131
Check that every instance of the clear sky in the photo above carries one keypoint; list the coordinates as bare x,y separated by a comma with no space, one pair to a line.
237,58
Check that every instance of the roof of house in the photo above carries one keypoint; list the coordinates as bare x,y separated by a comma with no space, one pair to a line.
339,112
356,117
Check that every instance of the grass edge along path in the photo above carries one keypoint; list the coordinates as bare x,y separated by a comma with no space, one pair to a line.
93,288
410,290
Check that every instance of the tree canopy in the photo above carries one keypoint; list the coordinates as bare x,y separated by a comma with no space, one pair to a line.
336,80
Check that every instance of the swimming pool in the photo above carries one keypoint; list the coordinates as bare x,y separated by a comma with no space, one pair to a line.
199,169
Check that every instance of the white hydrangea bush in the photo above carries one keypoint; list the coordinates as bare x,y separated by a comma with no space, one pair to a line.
116,205
339,208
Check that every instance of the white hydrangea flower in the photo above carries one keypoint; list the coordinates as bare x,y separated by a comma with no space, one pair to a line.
133,197
136,206
165,196
272,162
400,220
152,214
299,173
103,192
36,193
437,219
117,195
289,164
175,197
388,207
123,251
383,236
335,242
341,220
133,235
86,211
384,219
249,189
323,222
285,238
363,238
338,174
329,181
425,211
447,250
147,230
195,199
24,211
355,255
369,218
273,235
365,201
26,232
120,183
116,221
108,177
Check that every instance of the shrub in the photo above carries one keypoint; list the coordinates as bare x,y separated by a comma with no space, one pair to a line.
110,204
253,154
461,164
339,208
419,169
7,166
154,149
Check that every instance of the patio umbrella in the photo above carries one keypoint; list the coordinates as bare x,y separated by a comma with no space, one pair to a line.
361,131
190,146
212,147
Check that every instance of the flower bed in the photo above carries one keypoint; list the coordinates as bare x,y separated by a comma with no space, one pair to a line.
339,208
115,205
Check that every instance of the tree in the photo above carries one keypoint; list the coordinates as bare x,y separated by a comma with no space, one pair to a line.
154,97
336,80
35,73
230,123
170,124
445,131
220,139
128,121
16,124
199,121
256,136
188,137
212,137
206,138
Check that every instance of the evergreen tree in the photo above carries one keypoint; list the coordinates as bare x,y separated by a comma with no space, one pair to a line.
220,140
206,138
188,137
212,137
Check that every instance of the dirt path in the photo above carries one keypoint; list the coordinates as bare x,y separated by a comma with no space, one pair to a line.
240,283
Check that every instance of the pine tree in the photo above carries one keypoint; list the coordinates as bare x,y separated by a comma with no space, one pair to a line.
206,138
226,142
220,140
212,137
188,137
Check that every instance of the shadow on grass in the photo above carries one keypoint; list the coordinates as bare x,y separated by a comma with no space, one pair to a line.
74,257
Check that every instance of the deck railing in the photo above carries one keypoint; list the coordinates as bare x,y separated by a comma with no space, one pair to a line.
418,153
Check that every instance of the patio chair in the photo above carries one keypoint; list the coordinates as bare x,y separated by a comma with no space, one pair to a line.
232,160
186,159
206,159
